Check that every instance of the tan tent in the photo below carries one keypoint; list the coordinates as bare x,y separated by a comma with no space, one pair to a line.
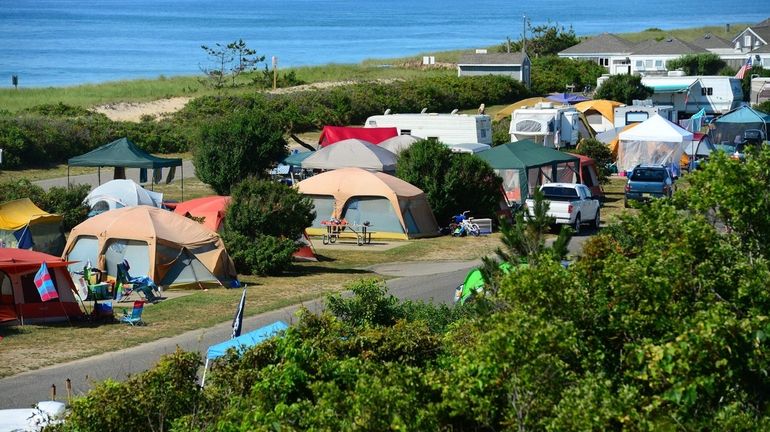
600,113
530,102
169,248
394,208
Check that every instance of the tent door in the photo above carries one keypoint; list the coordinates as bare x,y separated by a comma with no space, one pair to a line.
7,303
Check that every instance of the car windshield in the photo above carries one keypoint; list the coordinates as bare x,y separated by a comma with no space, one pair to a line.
559,193
649,174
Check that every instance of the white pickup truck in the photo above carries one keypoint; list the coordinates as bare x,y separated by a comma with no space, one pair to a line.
570,204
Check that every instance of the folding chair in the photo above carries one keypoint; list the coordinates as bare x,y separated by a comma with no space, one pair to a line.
135,318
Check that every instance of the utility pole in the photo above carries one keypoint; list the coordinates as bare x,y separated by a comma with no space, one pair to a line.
524,35
275,72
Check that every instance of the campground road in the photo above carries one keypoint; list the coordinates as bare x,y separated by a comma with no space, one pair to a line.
433,281
106,175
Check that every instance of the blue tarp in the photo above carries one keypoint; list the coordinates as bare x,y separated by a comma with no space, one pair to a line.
246,340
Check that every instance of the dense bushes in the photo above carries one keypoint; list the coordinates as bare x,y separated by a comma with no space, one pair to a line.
452,182
623,88
554,74
600,153
264,221
698,64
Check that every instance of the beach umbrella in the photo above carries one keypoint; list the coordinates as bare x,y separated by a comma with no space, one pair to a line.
566,98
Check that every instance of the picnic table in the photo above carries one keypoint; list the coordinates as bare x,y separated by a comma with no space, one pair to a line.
335,228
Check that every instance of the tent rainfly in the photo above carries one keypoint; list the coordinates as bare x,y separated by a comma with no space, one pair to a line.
24,225
122,153
241,343
655,141
121,193
333,134
600,113
352,153
211,208
525,165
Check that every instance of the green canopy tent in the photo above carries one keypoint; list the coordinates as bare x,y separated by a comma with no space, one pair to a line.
122,153
525,165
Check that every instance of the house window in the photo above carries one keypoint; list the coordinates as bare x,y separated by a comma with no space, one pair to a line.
648,64
658,64
639,64
747,41
738,45
707,91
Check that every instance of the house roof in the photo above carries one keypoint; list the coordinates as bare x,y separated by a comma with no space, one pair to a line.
762,31
670,46
764,23
709,41
763,49
492,58
605,43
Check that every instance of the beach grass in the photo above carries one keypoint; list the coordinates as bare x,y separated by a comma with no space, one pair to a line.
687,34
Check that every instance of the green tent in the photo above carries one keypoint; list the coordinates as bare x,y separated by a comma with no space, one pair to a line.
122,153
525,165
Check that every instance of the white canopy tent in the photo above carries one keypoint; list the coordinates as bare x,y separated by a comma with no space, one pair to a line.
352,153
655,141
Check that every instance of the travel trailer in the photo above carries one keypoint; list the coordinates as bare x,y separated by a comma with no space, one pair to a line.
446,128
688,94
548,124
641,110
760,90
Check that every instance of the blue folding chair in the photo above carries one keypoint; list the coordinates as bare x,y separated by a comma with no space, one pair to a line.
135,318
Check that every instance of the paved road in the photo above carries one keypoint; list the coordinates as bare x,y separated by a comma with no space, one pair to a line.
106,175
425,281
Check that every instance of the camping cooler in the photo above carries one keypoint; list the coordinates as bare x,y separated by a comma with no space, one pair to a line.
485,225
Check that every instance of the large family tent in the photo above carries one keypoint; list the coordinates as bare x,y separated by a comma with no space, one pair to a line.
600,113
19,298
525,165
352,153
508,111
121,193
334,134
211,209
733,124
122,153
655,141
24,225
394,208
171,249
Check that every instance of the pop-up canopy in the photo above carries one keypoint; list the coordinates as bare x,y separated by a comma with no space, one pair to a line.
655,141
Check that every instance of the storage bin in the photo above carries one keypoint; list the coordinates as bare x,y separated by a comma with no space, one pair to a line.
485,225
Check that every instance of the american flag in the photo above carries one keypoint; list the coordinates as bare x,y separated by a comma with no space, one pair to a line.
745,68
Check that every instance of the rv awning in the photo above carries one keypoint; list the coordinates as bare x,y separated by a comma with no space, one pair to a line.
669,88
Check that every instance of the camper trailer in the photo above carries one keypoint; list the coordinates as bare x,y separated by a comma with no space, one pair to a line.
641,110
688,94
446,128
548,124
760,90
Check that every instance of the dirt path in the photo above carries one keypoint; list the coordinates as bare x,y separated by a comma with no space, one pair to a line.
134,111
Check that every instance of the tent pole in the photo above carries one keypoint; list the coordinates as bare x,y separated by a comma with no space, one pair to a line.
182,180
99,175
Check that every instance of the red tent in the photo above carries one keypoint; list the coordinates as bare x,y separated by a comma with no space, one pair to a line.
211,208
19,298
589,175
332,134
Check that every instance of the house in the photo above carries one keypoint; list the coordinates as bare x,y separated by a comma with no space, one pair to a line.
606,49
714,44
515,65
752,37
650,57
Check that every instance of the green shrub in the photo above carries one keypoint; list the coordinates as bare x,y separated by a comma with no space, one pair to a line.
623,89
69,203
554,74
452,182
229,149
23,188
764,107
697,64
259,254
600,153
501,131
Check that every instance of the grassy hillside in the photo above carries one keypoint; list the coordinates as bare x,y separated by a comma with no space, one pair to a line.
688,34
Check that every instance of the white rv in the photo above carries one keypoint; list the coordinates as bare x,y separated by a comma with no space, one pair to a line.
688,94
548,124
641,110
446,128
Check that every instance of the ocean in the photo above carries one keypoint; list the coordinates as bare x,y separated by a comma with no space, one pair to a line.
70,42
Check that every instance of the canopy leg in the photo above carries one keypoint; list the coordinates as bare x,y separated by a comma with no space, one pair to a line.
205,368
182,180
99,175
68,176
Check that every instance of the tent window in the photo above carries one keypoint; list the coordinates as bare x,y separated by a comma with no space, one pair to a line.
324,208
135,252
586,177
636,117
84,251
411,224
378,211
6,289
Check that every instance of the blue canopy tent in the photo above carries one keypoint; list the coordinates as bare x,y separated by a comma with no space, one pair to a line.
731,126
242,342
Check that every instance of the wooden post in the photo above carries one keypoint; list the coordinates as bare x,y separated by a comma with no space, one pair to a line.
68,385
53,392
275,72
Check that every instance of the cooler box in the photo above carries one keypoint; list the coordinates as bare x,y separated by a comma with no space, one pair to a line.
485,225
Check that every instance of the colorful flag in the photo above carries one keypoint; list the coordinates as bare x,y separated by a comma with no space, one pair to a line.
238,320
44,284
745,68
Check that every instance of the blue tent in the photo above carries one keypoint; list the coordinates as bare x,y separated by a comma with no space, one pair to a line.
567,98
243,342
733,124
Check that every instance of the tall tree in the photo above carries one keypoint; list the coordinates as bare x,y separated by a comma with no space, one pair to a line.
623,88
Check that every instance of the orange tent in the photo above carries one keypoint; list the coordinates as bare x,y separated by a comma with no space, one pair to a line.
212,209
605,108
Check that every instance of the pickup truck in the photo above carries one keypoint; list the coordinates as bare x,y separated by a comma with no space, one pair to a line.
570,204
648,181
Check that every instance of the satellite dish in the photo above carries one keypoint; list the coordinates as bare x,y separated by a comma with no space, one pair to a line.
455,111
424,110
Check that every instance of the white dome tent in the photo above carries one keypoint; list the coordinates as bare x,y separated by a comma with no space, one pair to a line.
121,193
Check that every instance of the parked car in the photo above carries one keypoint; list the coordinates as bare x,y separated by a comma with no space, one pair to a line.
648,181
570,204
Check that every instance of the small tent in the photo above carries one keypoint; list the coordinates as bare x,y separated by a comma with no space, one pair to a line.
121,193
334,134
566,98
394,208
508,111
525,165
171,249
19,298
24,225
655,141
211,208
399,143
352,153
736,122
600,113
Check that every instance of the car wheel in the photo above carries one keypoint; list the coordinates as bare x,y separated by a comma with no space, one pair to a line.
597,220
577,224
